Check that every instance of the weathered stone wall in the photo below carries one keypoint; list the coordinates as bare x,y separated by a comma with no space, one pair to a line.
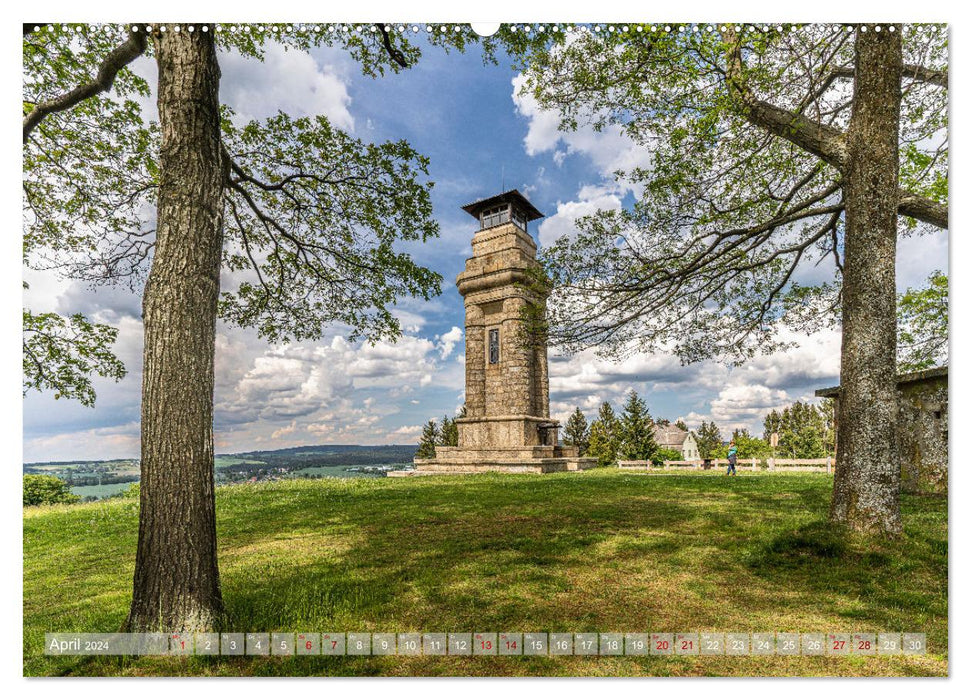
922,435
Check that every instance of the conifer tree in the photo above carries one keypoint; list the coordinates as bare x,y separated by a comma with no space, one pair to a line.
429,438
637,430
709,439
577,432
449,433
605,436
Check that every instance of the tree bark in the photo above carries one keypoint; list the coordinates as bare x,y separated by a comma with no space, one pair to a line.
866,490
176,582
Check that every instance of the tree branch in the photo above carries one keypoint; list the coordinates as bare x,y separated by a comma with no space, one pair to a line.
116,60
933,76
915,72
922,209
395,54
826,142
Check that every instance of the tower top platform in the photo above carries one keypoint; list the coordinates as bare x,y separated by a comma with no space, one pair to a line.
513,197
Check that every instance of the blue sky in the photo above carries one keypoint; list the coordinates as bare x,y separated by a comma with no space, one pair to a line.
480,136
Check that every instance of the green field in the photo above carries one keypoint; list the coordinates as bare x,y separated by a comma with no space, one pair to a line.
339,472
599,551
229,460
102,491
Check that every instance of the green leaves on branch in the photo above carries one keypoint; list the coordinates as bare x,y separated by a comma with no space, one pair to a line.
737,188
89,173
313,221
922,325
318,224
61,353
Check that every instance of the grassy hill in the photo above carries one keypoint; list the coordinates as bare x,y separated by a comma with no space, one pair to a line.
600,551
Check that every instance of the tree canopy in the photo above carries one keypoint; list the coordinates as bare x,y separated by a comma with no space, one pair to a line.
709,440
636,430
605,436
576,432
743,194
805,430
310,210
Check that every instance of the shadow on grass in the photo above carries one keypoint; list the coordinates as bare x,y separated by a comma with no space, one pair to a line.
575,552
813,544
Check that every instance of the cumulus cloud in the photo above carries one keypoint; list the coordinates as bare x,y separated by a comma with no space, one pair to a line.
745,403
306,393
284,431
107,304
447,341
287,80
406,434
586,373
741,395
563,222
297,380
609,149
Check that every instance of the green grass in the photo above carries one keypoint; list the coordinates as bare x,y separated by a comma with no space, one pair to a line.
599,551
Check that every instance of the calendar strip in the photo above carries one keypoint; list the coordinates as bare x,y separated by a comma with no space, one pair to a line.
488,644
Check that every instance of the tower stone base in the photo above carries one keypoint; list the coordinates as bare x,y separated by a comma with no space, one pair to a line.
527,460
503,444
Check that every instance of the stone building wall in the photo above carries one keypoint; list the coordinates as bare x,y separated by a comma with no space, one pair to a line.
922,431
922,435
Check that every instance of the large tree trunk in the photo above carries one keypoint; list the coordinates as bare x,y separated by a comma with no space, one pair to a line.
176,583
866,491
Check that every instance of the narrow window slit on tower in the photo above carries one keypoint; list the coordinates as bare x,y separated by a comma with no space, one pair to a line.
493,346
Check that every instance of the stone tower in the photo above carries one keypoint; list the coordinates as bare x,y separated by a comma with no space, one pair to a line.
507,425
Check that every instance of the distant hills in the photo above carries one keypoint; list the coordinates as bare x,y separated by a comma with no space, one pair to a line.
96,479
303,456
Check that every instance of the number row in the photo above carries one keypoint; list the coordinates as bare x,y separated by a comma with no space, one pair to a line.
489,644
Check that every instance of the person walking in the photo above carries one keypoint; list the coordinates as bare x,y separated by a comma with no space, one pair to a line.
732,458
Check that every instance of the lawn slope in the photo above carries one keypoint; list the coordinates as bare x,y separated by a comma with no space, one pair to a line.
599,551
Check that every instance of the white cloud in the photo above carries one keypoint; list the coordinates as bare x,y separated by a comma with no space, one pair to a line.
747,403
284,431
563,222
406,434
610,149
287,80
447,341
742,395
114,442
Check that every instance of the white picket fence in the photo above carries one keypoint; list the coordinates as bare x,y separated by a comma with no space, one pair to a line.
772,464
